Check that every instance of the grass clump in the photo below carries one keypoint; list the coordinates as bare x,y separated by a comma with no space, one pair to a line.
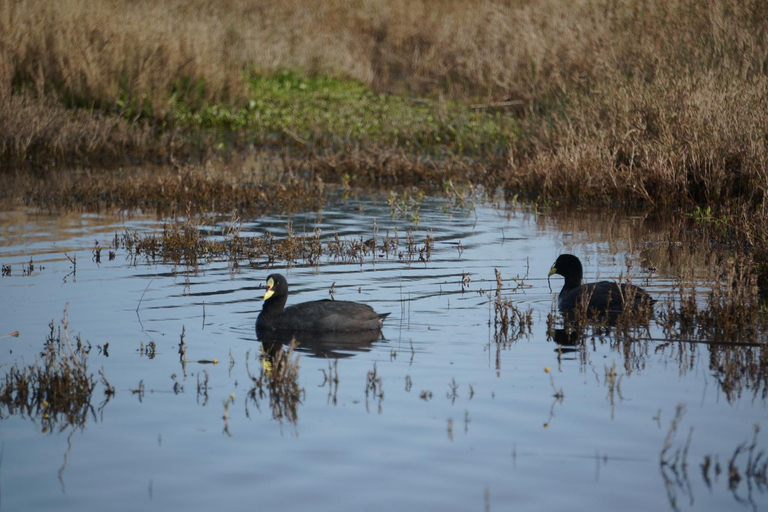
278,379
56,390
510,322
190,242
730,311
177,190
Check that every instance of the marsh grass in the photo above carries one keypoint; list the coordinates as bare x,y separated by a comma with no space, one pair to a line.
710,304
173,190
109,54
510,322
185,242
730,311
654,103
278,380
57,389
711,292
742,229
754,470
331,378
745,476
374,387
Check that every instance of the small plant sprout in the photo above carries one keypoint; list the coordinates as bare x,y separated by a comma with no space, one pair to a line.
559,395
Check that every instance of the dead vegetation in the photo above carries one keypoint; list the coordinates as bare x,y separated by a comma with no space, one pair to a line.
746,473
45,134
278,380
186,242
651,103
57,389
519,52
510,322
731,310
171,191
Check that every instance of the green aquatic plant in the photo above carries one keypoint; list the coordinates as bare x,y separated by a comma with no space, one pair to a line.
405,205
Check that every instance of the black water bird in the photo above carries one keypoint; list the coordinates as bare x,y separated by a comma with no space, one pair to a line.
316,316
597,299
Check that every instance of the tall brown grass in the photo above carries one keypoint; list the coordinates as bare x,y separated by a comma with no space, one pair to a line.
517,49
672,142
654,102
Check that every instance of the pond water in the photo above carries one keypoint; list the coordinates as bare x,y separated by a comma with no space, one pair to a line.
438,413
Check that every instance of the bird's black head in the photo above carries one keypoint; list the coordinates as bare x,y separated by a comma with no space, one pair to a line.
277,287
568,266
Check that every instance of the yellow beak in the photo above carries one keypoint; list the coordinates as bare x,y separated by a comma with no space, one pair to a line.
270,289
552,271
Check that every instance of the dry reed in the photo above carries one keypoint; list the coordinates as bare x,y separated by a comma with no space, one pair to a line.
656,103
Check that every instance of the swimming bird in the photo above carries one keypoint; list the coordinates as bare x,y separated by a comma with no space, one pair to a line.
598,299
316,316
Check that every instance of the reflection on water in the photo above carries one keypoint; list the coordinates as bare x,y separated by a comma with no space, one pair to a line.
334,345
567,337
278,382
450,405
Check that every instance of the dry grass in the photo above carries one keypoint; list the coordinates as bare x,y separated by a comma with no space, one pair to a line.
46,134
510,322
250,188
692,141
278,379
57,389
657,103
522,50
185,242
96,53
731,310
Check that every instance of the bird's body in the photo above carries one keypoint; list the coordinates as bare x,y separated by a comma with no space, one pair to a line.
596,299
316,316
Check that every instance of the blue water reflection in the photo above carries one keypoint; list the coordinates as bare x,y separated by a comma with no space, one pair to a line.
459,418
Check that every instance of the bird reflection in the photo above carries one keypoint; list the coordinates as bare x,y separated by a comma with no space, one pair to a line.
566,337
332,345
568,340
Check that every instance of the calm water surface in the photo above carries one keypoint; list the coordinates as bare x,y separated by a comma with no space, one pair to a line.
459,421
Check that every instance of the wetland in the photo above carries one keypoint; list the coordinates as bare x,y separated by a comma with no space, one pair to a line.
137,378
429,159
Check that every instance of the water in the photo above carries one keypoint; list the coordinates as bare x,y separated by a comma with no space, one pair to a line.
458,421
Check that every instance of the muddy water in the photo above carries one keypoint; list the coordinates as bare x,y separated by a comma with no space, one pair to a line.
458,419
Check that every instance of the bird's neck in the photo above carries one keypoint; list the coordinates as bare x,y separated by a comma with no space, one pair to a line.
273,306
571,282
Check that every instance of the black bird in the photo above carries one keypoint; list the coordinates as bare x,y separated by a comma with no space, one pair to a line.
598,299
316,316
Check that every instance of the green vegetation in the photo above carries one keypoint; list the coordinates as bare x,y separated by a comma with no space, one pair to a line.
327,115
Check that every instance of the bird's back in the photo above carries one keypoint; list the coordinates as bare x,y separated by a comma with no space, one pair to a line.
604,297
328,315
